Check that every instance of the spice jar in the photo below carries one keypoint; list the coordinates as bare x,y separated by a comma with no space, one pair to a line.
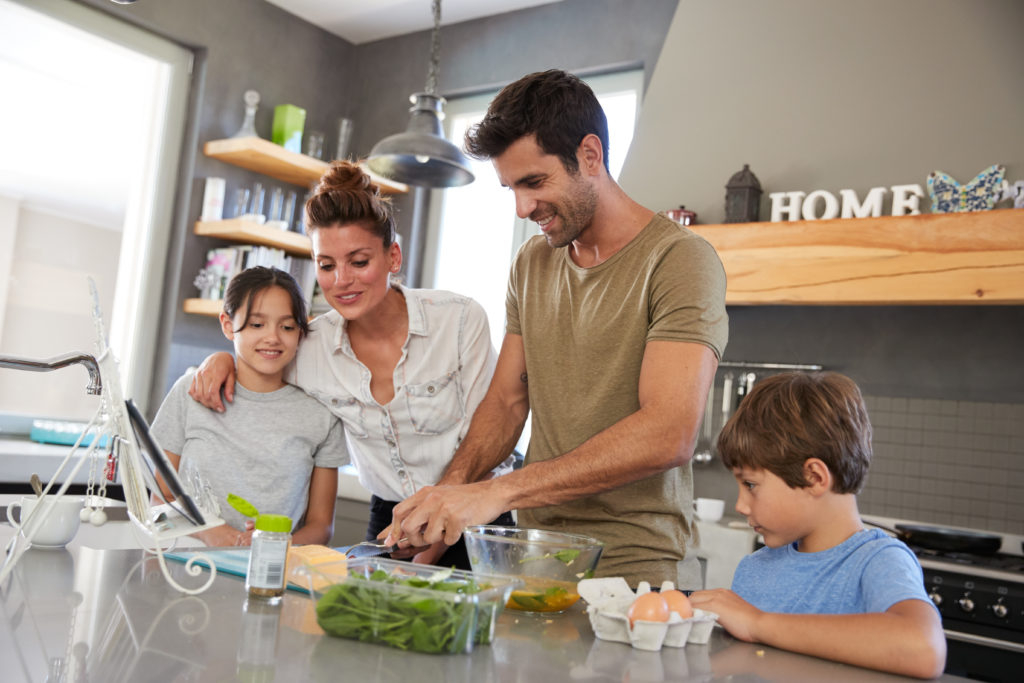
270,542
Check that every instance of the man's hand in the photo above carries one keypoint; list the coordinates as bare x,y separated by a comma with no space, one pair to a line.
440,513
215,373
736,615
431,555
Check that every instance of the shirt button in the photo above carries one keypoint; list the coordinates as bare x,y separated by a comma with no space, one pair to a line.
391,443
430,389
401,473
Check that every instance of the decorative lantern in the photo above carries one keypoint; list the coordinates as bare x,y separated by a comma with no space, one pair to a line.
742,197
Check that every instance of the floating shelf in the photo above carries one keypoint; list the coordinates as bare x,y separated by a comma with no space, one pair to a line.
263,156
238,230
961,258
210,307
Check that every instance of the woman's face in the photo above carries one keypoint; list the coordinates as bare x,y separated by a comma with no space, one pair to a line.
353,268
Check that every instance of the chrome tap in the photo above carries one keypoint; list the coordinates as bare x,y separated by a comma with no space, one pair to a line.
75,357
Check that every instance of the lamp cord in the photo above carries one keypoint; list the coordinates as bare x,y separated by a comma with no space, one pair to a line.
435,49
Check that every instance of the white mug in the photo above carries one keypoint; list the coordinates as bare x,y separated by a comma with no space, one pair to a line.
709,509
53,525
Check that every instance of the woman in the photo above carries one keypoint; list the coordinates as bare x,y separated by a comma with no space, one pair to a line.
403,368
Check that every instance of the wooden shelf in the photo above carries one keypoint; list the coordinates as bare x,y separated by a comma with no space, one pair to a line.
962,258
263,156
238,230
210,307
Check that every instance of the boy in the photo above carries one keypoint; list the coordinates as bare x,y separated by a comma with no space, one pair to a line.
799,446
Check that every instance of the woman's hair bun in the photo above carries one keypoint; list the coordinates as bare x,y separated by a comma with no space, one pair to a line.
344,176
346,194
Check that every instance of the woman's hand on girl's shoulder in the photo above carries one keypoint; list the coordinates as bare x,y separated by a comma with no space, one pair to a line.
215,373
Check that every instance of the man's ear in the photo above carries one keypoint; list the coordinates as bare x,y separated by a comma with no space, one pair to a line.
226,327
590,154
818,476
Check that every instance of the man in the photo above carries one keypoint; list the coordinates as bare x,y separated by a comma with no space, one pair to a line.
613,335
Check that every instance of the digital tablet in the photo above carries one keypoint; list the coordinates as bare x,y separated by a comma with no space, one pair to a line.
159,463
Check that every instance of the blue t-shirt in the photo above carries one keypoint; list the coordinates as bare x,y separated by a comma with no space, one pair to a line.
868,572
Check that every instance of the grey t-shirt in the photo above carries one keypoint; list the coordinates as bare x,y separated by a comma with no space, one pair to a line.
262,448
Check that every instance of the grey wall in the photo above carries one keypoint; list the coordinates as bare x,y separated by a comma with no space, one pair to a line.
832,95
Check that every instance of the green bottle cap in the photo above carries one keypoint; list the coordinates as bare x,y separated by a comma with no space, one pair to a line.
278,523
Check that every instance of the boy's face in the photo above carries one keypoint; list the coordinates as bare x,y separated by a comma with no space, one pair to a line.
779,513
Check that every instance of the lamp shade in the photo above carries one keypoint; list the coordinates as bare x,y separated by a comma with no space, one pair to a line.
421,155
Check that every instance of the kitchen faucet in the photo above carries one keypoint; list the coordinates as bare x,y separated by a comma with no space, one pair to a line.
75,357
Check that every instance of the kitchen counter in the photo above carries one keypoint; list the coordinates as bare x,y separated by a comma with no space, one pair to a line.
85,613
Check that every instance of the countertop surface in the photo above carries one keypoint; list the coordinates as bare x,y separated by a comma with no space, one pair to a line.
100,614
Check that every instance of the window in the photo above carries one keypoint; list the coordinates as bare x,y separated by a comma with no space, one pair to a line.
476,231
86,186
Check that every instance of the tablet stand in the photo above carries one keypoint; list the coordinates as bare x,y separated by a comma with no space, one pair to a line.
156,526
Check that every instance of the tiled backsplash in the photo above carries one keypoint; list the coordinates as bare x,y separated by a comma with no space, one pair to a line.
947,462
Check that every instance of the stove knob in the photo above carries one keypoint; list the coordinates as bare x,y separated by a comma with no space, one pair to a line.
966,604
935,597
999,609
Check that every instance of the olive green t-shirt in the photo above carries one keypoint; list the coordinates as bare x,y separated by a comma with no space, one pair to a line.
584,332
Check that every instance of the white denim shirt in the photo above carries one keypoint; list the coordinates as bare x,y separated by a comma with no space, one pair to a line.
445,369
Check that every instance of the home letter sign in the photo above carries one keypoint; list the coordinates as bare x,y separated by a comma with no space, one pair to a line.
794,205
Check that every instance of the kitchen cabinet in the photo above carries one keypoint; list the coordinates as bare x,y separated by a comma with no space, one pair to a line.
961,258
267,158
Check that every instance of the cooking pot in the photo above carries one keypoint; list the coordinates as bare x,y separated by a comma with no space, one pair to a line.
946,540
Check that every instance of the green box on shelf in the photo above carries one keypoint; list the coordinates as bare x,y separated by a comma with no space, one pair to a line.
288,123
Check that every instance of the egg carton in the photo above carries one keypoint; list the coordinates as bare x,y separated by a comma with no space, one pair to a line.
609,599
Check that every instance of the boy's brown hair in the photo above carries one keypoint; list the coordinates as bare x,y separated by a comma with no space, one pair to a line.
790,417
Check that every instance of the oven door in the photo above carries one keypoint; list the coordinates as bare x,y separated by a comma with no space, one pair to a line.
982,658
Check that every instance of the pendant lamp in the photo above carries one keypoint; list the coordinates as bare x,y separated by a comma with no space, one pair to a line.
421,155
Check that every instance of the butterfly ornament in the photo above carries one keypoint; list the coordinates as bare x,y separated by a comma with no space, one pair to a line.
980,194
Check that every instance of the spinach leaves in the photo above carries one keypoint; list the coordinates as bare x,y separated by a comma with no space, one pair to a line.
373,609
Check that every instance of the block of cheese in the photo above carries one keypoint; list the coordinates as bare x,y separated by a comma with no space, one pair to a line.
313,556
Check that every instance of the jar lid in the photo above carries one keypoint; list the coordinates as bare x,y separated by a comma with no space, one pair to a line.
278,523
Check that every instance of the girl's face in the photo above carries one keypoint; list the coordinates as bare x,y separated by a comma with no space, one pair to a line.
267,343
354,268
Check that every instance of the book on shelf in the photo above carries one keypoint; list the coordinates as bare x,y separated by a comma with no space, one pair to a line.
224,263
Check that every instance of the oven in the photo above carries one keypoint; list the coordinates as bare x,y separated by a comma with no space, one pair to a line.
981,600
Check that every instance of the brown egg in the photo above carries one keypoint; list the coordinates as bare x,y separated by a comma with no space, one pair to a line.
678,603
648,607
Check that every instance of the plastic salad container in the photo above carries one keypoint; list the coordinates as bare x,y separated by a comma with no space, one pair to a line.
409,606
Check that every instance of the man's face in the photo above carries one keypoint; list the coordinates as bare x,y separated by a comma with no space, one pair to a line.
561,203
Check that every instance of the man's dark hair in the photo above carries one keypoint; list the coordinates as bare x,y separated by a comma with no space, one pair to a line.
556,107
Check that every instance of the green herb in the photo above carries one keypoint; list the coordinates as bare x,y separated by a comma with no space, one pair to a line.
364,609
538,601
565,556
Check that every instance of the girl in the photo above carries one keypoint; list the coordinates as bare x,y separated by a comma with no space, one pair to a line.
277,447
403,368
